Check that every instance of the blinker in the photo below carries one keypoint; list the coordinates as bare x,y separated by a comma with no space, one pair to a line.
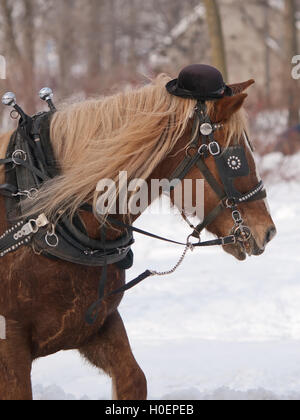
232,164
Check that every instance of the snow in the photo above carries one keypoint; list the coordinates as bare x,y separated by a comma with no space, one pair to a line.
277,4
217,329
274,122
287,167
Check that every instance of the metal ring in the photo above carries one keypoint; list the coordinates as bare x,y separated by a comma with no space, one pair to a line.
22,156
242,233
189,244
51,234
14,114
48,237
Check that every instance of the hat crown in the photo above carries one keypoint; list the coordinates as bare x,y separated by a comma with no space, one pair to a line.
201,78
201,82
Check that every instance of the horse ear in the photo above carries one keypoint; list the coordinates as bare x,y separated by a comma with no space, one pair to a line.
229,105
241,87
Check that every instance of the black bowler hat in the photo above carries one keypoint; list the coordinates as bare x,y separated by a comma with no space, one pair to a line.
201,82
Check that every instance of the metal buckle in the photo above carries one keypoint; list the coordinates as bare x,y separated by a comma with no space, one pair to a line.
20,155
214,148
30,227
229,240
203,149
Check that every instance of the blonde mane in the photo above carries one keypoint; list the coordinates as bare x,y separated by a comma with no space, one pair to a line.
96,139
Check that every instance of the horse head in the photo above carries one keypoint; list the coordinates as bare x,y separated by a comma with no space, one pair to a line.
234,195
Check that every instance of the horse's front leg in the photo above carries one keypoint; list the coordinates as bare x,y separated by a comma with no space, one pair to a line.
15,364
110,351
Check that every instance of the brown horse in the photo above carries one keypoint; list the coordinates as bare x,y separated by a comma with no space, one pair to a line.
44,301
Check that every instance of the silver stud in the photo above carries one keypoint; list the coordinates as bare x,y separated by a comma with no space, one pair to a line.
206,129
9,99
46,93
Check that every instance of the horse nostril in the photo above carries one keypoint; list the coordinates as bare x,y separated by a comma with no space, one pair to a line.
271,234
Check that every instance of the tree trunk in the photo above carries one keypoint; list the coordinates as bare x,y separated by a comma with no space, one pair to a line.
216,36
65,46
133,19
94,39
114,59
291,51
267,54
28,62
10,39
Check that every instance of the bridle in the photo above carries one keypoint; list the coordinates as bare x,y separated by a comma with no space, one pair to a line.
231,163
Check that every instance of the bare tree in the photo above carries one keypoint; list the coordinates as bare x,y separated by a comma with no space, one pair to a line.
28,58
94,42
216,36
267,52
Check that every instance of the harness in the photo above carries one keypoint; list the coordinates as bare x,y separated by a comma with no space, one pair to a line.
30,162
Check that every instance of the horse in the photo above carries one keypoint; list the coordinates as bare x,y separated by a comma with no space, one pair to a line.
145,132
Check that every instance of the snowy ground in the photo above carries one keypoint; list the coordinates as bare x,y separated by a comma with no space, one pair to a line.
217,329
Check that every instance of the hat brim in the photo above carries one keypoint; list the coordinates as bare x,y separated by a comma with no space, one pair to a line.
173,89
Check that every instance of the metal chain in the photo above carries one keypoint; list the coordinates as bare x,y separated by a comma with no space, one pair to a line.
189,247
